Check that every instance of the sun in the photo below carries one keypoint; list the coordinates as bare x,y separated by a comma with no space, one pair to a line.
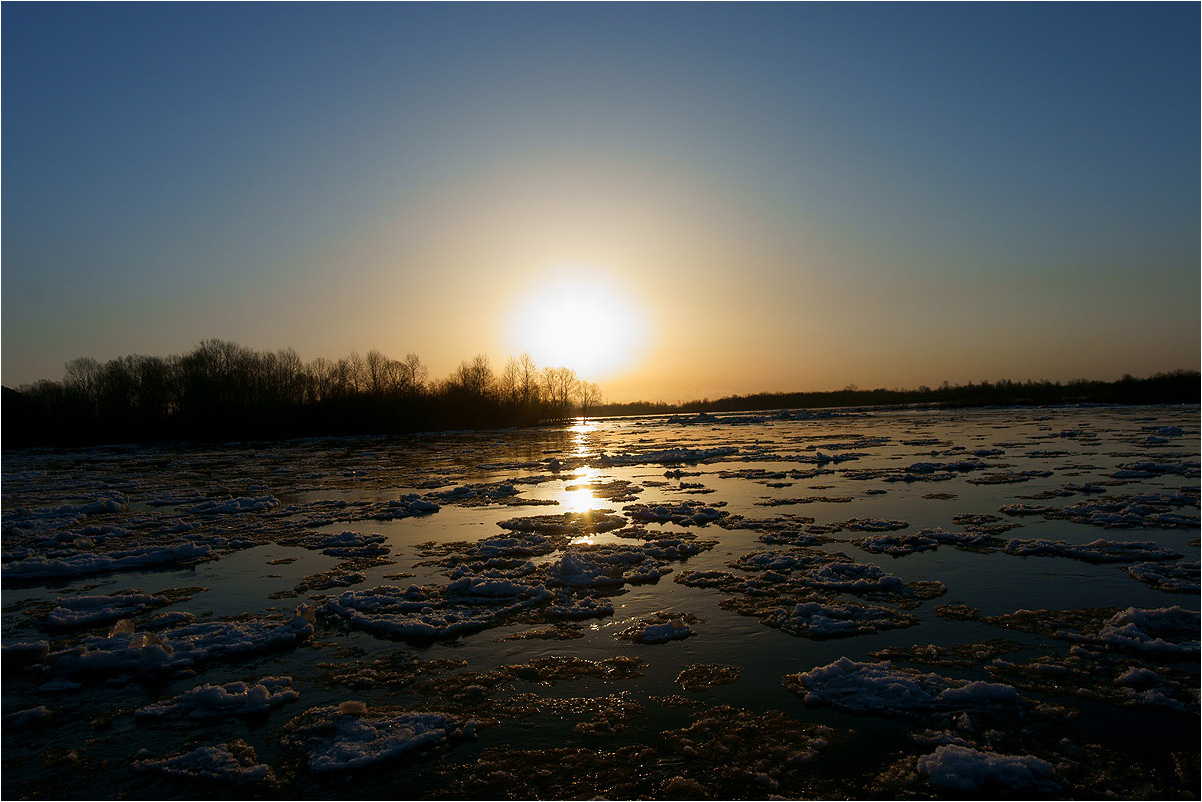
581,318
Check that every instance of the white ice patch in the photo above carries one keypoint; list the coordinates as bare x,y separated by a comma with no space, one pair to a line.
231,699
235,506
356,741
568,523
147,653
662,633
1168,631
874,525
854,578
79,611
817,620
880,689
1146,510
1097,551
86,563
233,762
1177,578
685,513
782,560
666,456
580,569
958,768
407,505
413,612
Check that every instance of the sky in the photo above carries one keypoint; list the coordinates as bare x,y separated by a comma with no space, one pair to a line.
677,200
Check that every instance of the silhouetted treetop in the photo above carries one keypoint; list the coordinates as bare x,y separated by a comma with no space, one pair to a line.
224,391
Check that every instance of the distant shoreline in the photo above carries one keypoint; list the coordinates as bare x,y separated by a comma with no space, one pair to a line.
34,417
1175,387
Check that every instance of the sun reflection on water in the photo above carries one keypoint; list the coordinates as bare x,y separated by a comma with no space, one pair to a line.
579,499
580,437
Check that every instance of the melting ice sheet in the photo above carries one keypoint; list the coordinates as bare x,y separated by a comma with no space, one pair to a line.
839,604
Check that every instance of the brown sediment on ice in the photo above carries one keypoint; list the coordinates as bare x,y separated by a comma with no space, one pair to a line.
702,676
725,753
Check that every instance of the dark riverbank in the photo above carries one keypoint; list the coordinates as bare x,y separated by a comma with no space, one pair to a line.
1176,387
223,392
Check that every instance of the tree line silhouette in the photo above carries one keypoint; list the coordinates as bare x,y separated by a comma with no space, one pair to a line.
1174,387
223,391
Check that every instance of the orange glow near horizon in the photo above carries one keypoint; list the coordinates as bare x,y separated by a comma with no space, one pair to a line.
579,317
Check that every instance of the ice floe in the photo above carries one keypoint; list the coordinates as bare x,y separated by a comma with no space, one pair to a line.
881,689
874,525
568,523
420,613
958,768
82,611
817,620
1169,631
1182,577
86,563
1097,551
234,506
664,626
141,654
667,456
1146,510
234,762
684,513
230,699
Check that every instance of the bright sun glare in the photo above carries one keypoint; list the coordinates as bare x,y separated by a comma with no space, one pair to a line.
578,318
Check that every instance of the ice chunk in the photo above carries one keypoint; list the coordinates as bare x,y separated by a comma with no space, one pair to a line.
669,455
685,513
854,578
817,620
1166,631
229,762
234,506
1176,578
79,611
662,633
334,742
231,699
146,653
881,689
958,768
1097,551
85,563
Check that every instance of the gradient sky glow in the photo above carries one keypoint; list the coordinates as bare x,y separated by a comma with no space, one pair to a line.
788,196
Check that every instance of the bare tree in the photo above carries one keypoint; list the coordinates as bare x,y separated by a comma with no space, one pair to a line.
357,372
475,377
589,394
321,379
342,378
508,383
413,375
527,379
82,376
559,384
375,366
289,377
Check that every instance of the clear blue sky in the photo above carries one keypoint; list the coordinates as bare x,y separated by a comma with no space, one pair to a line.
785,196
